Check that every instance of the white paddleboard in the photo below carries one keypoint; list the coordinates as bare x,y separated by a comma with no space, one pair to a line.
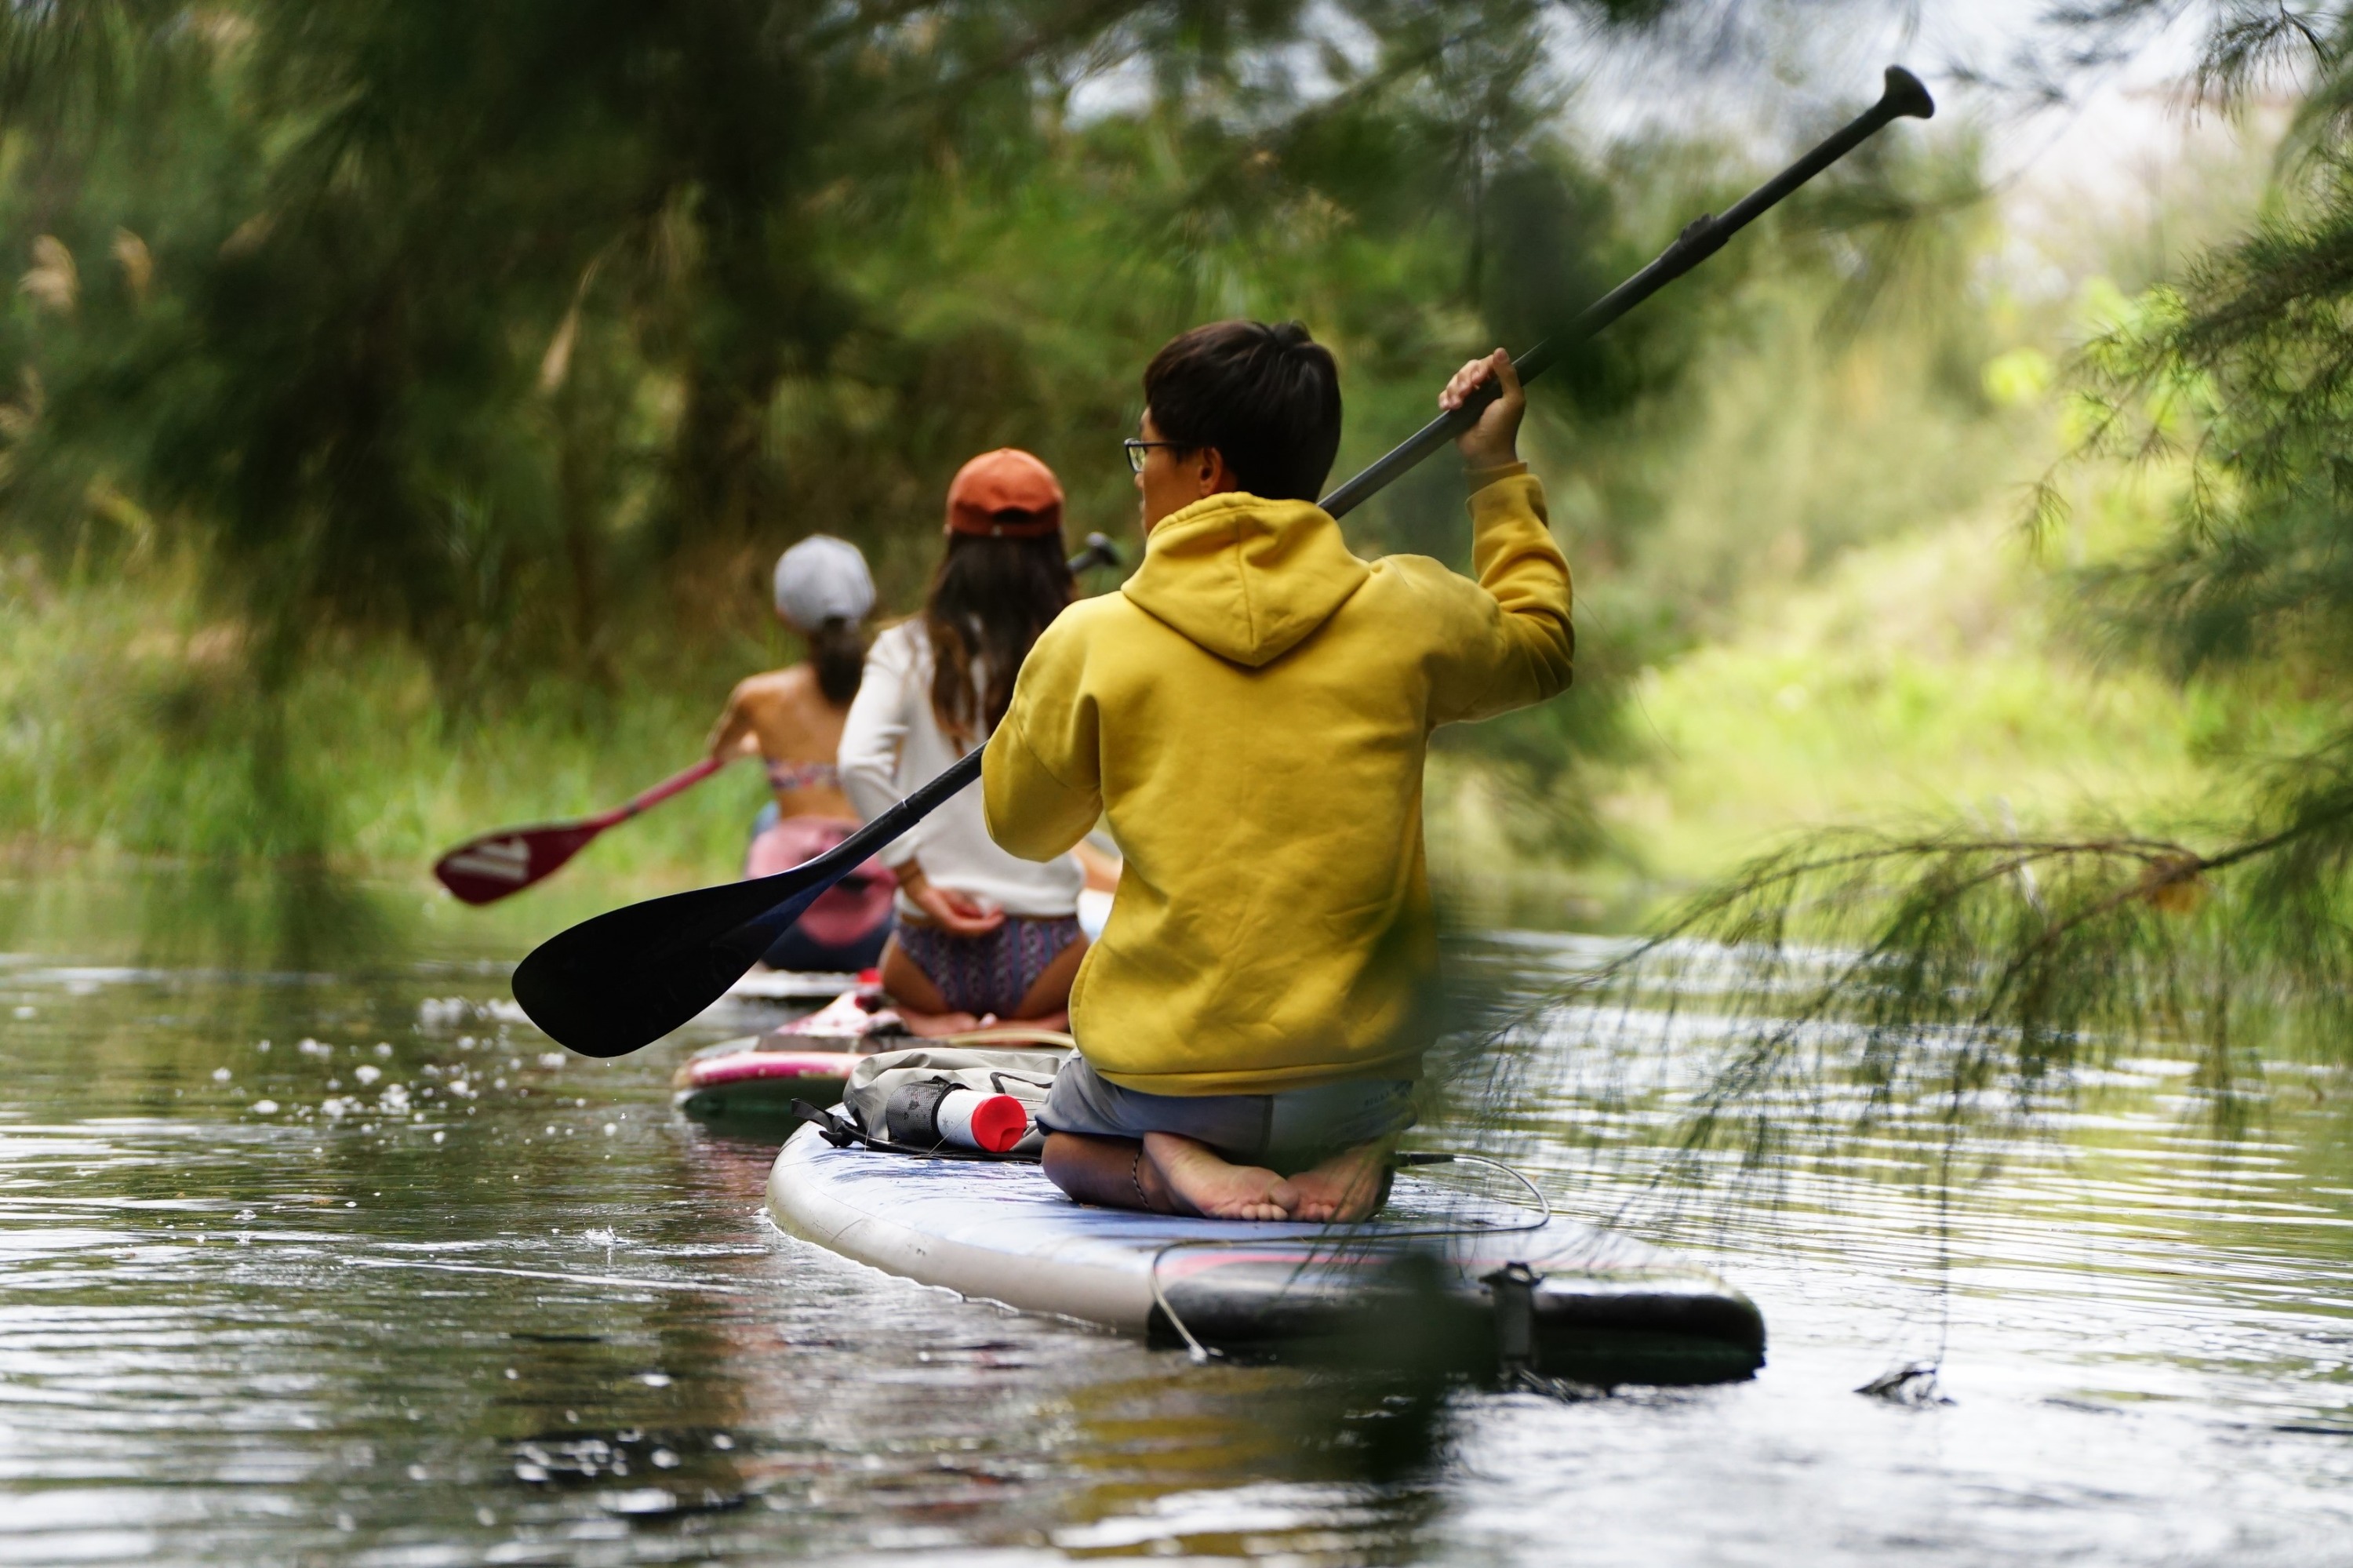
1607,1308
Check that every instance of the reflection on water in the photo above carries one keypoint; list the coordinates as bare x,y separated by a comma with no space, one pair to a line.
332,1260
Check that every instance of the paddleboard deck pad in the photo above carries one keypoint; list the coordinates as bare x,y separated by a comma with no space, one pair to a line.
1434,1269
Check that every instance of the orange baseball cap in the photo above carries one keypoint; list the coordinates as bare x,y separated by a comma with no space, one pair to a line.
1004,494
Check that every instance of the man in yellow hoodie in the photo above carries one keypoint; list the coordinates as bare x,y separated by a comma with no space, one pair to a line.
1252,711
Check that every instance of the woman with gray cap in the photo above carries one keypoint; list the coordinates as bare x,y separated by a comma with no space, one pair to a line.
792,718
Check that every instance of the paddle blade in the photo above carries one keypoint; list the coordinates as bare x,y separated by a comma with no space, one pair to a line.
487,869
625,979
628,978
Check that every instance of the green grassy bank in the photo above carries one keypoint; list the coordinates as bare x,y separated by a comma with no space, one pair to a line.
1930,678
129,724
1932,681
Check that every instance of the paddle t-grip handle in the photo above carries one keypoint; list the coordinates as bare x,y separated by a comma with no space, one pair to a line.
1101,551
1901,98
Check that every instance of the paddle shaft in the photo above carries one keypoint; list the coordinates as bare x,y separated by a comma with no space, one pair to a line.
626,978
1702,238
1903,97
676,783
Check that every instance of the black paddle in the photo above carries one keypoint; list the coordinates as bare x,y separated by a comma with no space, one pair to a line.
625,979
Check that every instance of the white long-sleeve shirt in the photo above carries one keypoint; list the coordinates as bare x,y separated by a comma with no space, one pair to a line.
890,745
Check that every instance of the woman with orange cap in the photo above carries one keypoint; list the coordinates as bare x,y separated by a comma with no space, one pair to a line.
980,935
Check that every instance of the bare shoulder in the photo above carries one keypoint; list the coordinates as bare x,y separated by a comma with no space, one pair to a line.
787,684
770,699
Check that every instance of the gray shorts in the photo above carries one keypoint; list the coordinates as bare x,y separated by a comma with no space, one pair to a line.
1290,1130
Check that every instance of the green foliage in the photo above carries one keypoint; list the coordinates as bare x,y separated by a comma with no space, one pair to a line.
1821,391
463,323
1931,677
518,339
1955,977
2239,382
128,725
1957,981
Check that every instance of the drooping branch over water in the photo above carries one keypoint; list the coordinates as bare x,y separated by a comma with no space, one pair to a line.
1906,1008
1952,980
1958,966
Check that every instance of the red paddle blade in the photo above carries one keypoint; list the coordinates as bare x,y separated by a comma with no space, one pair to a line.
487,869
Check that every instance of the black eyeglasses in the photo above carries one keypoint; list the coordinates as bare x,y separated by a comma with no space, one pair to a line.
1136,448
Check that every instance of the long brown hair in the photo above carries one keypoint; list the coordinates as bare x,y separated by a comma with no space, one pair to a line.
836,651
989,601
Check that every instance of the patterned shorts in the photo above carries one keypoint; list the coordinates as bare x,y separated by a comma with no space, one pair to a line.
981,975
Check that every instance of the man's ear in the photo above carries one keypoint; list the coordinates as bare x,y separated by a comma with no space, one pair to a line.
1216,478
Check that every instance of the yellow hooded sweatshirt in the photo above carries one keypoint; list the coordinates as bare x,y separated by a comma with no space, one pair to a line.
1251,710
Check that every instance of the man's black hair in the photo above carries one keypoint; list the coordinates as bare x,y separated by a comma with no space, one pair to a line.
1267,397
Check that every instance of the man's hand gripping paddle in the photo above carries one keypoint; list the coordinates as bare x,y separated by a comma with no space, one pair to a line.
624,979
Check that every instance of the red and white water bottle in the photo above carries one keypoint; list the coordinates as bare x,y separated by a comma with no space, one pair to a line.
991,1123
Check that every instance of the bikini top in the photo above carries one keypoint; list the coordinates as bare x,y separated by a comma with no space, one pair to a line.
804,776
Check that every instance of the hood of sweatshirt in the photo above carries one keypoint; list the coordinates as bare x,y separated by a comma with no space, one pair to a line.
1246,578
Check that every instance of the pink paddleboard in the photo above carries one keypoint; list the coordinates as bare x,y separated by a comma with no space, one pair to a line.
754,1082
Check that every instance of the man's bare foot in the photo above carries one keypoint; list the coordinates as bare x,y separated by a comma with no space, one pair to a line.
1214,1188
1343,1189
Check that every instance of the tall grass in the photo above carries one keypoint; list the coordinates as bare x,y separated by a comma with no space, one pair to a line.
129,723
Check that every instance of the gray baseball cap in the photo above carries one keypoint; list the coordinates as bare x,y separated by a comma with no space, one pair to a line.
822,578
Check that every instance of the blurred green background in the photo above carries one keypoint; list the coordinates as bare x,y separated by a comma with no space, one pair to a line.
401,406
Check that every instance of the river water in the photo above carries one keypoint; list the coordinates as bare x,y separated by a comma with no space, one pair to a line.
322,1258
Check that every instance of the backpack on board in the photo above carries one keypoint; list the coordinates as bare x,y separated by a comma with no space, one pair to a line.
946,1102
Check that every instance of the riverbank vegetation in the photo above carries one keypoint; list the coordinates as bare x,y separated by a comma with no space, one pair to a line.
1927,981
404,407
